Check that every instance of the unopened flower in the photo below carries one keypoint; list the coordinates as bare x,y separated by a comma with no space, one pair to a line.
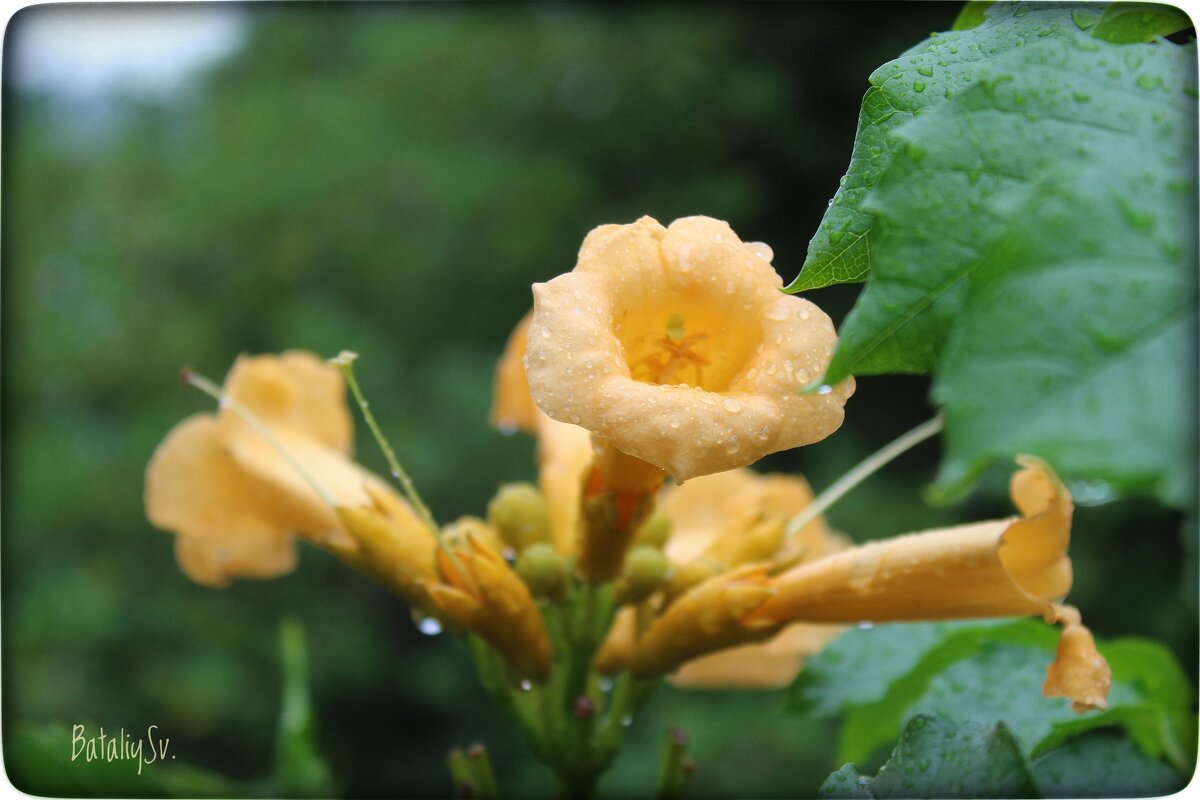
478,591
677,346
236,502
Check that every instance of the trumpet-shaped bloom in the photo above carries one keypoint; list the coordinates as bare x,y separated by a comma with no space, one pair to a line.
676,345
1013,566
1006,567
236,503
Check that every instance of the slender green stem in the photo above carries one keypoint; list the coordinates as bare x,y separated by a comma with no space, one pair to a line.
867,467
675,767
212,390
345,362
481,769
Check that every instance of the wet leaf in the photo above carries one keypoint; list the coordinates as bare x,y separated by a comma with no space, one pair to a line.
937,757
1026,195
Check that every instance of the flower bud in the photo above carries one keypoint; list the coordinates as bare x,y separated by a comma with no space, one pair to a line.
461,531
519,515
645,571
654,532
693,573
544,572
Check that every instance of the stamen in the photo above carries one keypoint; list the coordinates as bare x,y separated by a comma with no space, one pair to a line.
675,328
865,469
214,391
345,361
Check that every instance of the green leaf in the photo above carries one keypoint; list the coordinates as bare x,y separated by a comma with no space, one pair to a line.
1030,242
920,80
937,757
988,671
846,783
1139,22
1084,303
299,769
972,15
1103,764
857,668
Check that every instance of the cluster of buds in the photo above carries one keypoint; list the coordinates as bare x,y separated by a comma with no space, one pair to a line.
651,376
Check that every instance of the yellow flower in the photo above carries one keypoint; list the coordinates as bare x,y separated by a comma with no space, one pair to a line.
1008,567
481,593
236,503
677,346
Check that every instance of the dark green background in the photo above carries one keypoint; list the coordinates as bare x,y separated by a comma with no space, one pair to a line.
390,179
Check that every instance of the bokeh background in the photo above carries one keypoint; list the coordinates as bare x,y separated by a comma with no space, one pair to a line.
183,184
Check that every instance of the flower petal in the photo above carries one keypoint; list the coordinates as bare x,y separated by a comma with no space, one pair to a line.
770,665
676,345
226,529
512,407
295,390
564,455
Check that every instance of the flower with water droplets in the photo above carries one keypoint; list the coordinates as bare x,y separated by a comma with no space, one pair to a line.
678,347
1008,567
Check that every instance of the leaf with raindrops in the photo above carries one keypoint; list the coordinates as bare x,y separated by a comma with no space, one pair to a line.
1031,241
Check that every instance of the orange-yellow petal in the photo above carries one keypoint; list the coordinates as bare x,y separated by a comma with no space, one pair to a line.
1079,672
676,345
297,391
512,407
564,457
769,665
226,529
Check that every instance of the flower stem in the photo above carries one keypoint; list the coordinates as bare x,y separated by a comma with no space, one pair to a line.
865,469
211,389
345,362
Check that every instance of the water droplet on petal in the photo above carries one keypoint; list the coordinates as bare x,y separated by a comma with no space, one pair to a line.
779,311
731,405
674,422
507,426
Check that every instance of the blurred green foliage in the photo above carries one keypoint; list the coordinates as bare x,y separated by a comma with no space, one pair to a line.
390,179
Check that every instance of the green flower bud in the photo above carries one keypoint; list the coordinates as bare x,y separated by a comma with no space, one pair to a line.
646,570
519,514
654,532
544,572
